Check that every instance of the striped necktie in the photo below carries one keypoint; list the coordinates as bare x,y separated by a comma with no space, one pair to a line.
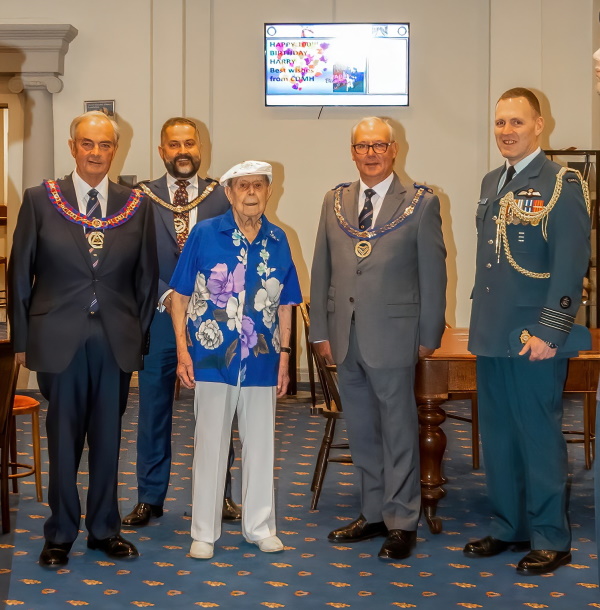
94,237
365,218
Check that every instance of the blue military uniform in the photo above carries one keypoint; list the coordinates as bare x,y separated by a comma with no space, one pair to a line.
533,284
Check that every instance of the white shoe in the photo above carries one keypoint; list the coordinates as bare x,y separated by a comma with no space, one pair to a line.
271,544
202,550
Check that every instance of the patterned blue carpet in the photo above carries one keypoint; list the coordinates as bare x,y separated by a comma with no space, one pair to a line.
311,572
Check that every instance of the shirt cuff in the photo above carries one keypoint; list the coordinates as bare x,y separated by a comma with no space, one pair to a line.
161,306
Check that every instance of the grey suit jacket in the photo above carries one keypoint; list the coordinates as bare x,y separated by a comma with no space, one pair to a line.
397,294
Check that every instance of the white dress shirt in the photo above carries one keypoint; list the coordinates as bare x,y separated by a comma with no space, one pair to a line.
82,188
381,190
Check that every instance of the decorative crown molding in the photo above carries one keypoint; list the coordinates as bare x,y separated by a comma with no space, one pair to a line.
34,49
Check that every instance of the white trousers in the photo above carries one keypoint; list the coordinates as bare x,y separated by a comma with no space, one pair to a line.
214,406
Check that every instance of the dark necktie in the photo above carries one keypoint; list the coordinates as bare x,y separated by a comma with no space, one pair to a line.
365,218
94,237
181,219
510,172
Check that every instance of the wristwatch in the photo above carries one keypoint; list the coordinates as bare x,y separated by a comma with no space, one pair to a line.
550,345
285,350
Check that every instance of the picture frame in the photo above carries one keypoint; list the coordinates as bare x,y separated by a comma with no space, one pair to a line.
106,106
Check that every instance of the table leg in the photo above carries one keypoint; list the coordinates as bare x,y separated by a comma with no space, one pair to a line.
432,441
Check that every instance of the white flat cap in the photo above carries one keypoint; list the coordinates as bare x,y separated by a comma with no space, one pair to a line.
248,168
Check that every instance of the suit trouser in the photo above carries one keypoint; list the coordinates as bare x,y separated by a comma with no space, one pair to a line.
215,405
87,399
381,420
525,453
157,387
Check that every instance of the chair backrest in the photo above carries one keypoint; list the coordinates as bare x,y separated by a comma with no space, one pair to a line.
8,383
305,311
328,379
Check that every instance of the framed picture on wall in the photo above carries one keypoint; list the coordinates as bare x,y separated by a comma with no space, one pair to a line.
106,106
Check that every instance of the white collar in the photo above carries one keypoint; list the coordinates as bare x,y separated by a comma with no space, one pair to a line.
523,163
381,189
193,180
82,188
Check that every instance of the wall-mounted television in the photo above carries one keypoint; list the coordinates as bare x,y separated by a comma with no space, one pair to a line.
336,64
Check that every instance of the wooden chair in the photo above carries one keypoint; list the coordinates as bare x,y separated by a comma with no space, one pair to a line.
3,290
26,405
332,411
305,311
8,382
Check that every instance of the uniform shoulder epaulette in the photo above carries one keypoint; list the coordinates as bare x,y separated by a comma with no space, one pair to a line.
422,186
571,178
341,185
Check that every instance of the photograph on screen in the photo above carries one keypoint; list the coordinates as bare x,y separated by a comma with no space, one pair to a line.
341,64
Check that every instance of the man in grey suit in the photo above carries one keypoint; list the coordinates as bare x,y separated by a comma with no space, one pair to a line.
377,304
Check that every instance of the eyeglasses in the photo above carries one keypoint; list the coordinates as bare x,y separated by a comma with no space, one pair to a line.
378,148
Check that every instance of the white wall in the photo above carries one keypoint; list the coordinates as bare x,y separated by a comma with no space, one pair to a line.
203,58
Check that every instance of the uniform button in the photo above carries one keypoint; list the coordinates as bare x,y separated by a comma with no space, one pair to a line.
358,272
351,299
487,288
490,241
489,265
92,313
494,217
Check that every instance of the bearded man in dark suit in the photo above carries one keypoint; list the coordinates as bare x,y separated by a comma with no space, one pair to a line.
83,279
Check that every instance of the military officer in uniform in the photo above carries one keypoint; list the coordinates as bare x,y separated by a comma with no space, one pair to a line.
181,198
533,249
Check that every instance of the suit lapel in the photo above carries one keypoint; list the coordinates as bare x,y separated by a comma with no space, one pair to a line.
350,203
160,189
77,231
116,201
393,202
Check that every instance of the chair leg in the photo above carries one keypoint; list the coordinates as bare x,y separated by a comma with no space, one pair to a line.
311,375
13,453
587,399
177,388
475,431
4,459
37,460
322,461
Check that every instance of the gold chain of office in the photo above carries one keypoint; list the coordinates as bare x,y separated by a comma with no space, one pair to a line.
508,205
350,230
181,208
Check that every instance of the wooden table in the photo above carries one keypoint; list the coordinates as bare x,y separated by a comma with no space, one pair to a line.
450,370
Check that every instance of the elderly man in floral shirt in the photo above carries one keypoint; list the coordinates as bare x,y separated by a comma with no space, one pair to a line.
234,285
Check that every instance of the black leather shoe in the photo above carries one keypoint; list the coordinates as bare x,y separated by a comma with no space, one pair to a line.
542,562
231,511
358,530
489,546
141,513
398,544
55,554
115,546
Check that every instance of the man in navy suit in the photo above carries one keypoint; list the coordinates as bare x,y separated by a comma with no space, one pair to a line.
180,199
83,275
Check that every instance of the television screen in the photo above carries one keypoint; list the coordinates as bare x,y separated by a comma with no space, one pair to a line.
336,64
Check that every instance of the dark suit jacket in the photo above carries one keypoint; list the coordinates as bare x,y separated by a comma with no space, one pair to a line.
52,282
506,301
168,251
397,294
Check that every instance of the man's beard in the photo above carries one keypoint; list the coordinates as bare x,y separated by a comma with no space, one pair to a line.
176,173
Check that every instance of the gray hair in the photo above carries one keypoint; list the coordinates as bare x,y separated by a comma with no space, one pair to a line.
374,119
93,114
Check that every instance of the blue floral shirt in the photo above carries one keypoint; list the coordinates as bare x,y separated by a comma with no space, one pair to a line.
236,288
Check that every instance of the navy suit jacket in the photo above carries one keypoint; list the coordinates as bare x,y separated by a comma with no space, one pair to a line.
52,281
168,251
